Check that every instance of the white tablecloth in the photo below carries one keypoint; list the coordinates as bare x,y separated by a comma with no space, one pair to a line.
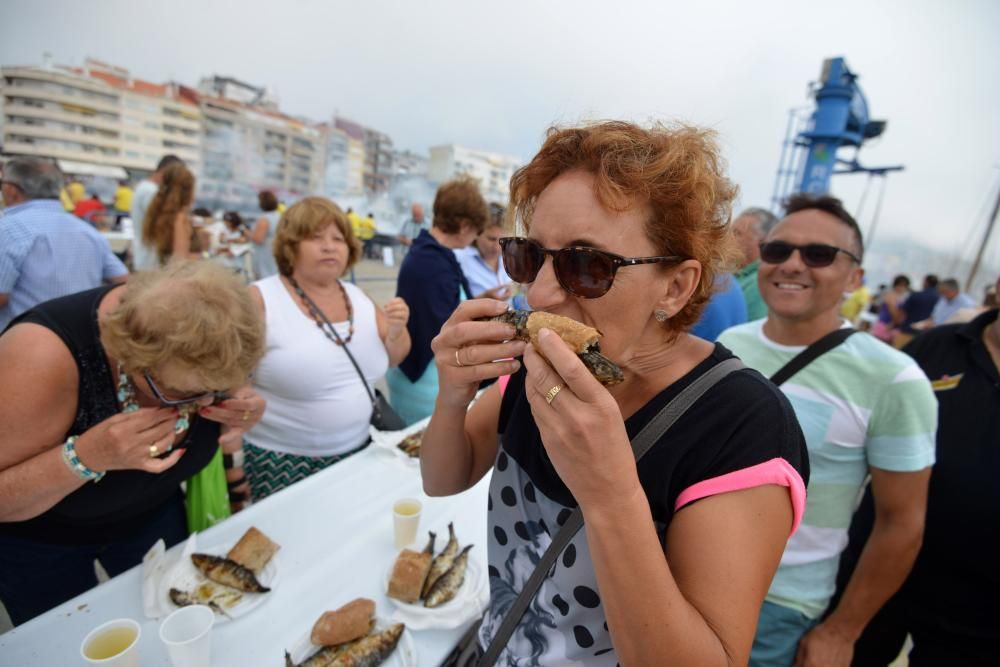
335,531
119,241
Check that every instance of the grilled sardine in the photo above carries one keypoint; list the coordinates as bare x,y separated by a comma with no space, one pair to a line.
445,588
228,573
184,599
442,562
369,651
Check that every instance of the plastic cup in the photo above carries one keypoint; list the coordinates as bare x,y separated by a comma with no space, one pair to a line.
112,644
405,521
187,634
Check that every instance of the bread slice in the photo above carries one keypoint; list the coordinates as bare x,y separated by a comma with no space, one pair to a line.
352,621
408,575
253,551
578,336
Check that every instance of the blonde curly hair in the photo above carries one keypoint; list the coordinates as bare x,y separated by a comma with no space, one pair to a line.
193,315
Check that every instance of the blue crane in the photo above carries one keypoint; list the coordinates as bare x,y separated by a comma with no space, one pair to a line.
840,120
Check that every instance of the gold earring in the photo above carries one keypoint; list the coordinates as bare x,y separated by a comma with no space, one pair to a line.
660,315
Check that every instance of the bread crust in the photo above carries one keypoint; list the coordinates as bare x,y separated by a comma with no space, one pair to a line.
254,550
408,575
350,622
578,336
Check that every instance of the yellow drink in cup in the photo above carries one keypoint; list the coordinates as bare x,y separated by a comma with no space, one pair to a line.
405,521
113,644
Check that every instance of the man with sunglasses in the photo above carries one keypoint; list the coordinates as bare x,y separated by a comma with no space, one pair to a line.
866,409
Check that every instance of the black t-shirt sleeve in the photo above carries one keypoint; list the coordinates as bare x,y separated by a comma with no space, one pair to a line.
742,434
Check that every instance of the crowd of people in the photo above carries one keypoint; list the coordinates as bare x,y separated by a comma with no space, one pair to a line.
825,492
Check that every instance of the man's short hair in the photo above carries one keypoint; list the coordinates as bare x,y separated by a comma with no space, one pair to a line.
949,284
35,177
168,160
765,219
804,201
930,280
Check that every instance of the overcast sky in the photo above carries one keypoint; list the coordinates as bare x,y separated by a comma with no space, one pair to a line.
494,75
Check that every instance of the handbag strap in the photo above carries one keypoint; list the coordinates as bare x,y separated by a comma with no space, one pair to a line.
811,353
646,438
322,320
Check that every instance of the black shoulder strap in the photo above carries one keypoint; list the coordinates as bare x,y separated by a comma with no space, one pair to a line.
647,437
811,353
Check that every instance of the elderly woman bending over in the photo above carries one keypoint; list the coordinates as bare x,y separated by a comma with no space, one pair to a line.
109,399
678,550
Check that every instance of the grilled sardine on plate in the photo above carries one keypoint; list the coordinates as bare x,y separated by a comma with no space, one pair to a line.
369,651
228,573
445,588
442,561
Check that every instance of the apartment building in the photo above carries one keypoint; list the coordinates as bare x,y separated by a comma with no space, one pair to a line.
249,145
97,120
492,170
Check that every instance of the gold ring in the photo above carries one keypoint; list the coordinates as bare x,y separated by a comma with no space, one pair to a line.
550,395
458,362
153,451
246,415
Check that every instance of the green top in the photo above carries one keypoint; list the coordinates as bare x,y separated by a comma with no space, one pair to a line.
747,277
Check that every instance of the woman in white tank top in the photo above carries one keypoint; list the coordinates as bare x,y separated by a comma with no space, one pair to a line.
317,408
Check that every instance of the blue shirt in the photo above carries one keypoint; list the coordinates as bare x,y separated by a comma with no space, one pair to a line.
945,308
479,274
918,307
46,252
725,309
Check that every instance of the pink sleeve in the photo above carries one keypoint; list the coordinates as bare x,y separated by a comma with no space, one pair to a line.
502,383
776,471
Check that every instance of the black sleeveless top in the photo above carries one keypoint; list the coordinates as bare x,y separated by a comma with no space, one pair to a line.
109,510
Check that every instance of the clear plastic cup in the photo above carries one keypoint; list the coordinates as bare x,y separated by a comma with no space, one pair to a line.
188,635
405,521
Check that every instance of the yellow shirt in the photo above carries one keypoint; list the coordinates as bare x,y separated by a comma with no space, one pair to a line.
366,228
66,201
76,191
123,199
355,220
855,304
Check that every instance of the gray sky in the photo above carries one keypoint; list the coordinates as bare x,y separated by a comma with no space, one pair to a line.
494,75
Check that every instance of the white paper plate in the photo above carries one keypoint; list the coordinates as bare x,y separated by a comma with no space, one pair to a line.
186,577
470,587
405,654
387,441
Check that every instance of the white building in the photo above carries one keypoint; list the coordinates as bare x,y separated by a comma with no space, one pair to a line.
96,120
491,170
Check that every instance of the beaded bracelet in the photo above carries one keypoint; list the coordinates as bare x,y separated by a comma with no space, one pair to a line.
74,463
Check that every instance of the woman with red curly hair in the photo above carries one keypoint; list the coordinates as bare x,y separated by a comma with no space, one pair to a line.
624,230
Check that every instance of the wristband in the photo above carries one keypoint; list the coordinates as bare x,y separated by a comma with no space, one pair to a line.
74,463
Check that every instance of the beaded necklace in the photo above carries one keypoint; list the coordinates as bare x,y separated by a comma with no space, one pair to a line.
320,318
126,396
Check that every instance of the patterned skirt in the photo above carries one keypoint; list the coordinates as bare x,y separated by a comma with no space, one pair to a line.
269,471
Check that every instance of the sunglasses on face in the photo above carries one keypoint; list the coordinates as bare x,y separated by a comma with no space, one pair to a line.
814,255
582,271
184,400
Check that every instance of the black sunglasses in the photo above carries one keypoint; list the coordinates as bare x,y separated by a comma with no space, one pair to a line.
814,255
214,395
582,271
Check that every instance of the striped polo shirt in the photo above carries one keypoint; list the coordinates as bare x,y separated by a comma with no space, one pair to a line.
863,404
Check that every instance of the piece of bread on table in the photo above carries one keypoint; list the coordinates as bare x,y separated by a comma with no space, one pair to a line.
578,336
352,621
408,575
253,551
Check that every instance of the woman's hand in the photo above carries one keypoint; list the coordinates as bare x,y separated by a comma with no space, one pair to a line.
580,424
126,441
397,313
238,414
465,351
